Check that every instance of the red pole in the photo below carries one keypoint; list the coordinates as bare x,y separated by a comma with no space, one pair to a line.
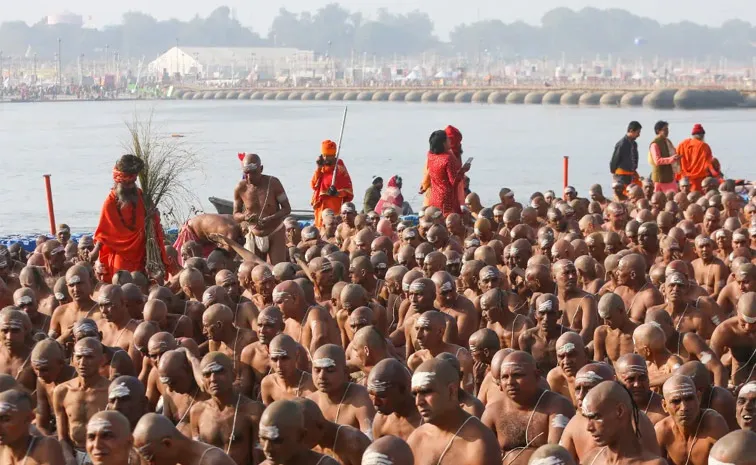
566,170
50,209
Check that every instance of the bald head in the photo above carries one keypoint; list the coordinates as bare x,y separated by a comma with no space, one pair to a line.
735,448
160,343
630,363
388,450
218,314
386,374
435,375
47,353
679,387
485,339
611,305
280,419
329,355
649,336
594,373
551,454
125,387
698,372
109,422
216,362
353,296
153,428
143,332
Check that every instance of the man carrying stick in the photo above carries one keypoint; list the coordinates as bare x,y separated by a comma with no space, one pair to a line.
331,184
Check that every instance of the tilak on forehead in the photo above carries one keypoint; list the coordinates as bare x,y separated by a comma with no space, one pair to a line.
277,295
546,306
376,458
423,379
324,362
589,376
636,369
119,391
212,367
566,348
423,321
417,286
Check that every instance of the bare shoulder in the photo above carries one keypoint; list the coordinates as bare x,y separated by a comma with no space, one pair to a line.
241,186
253,407
715,423
358,391
557,403
47,450
317,312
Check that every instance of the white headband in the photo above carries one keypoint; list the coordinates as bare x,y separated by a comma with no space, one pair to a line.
376,458
566,348
324,362
119,391
422,379
589,377
269,432
212,367
546,306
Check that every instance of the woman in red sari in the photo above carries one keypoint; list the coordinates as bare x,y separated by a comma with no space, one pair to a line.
446,172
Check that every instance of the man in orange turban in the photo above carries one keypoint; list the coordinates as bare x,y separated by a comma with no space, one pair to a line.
120,242
325,192
696,161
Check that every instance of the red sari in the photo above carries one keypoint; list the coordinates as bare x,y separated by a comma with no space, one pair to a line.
444,170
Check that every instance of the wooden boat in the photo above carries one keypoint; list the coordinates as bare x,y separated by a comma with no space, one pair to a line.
226,207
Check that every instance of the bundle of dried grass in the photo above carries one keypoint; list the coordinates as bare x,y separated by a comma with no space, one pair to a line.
168,164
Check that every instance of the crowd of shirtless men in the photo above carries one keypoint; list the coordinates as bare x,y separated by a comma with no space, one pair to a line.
575,330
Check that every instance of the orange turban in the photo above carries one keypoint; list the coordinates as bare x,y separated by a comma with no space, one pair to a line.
328,148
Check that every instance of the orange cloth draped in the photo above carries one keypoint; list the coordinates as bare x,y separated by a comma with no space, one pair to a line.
321,182
124,248
696,161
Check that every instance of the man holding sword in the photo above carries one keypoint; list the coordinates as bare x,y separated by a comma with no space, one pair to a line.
331,184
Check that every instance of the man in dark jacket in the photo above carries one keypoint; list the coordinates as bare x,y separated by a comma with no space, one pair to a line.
624,164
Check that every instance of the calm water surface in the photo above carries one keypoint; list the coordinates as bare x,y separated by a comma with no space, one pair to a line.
517,146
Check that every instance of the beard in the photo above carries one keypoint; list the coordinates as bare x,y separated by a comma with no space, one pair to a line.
125,195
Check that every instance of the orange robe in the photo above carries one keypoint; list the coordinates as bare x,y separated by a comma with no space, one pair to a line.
696,160
321,182
123,236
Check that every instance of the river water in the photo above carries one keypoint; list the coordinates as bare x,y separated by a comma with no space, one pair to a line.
517,146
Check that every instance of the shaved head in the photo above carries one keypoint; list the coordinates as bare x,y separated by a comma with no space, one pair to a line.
388,450
736,448
551,454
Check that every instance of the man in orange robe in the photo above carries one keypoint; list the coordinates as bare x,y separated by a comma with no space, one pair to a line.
120,242
326,194
696,161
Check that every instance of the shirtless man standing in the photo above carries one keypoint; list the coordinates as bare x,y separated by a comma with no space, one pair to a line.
343,442
181,392
507,325
15,352
228,420
341,401
521,427
311,327
541,340
578,307
158,441
282,436
63,318
710,272
738,336
429,331
689,433
285,380
615,337
48,361
17,445
448,434
637,292
611,420
75,401
260,206
389,388
571,357
117,326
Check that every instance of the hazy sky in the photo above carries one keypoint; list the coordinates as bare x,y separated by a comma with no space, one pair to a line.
258,14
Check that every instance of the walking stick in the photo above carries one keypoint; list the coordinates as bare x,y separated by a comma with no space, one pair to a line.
338,148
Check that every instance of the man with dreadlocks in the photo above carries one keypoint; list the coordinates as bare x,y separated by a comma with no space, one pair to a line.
120,242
